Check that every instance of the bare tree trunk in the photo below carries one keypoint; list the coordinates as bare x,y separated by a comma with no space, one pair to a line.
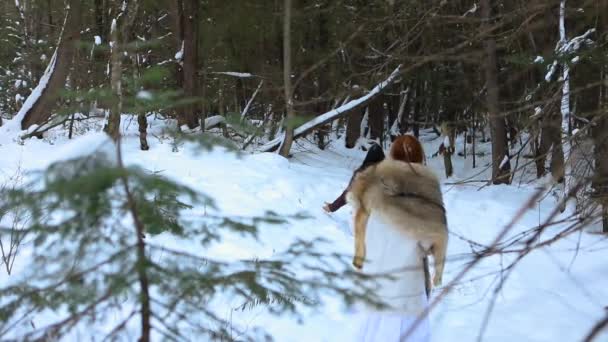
353,128
417,107
113,127
449,133
185,18
474,139
500,158
188,114
290,114
57,71
142,122
600,130
376,119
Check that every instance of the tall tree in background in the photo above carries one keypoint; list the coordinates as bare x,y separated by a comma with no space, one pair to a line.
289,110
113,127
186,21
37,109
500,158
600,129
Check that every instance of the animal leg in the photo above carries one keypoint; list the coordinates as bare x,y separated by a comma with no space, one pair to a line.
361,218
439,251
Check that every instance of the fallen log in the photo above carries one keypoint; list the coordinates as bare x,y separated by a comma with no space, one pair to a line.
334,113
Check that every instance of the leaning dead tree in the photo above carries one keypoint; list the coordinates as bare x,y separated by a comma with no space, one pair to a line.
336,113
37,109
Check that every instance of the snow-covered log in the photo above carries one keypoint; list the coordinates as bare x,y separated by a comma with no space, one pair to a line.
334,113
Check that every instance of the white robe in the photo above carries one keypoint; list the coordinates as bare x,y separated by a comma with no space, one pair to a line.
390,251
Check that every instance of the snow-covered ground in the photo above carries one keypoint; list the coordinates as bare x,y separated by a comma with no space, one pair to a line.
555,294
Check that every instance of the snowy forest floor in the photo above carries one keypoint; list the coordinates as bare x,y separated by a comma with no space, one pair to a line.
556,293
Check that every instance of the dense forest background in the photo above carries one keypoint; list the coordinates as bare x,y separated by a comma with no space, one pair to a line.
529,79
525,73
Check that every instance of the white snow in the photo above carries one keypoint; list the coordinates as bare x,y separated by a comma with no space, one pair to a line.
214,120
556,293
246,109
234,74
180,54
472,10
551,71
97,40
335,112
11,127
504,161
144,95
539,59
446,142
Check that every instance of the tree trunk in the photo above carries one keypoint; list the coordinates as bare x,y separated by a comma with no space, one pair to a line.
376,119
417,108
500,162
142,122
600,178
113,127
187,115
290,113
600,130
44,96
353,128
449,133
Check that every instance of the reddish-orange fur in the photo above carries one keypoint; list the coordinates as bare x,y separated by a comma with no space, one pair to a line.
408,149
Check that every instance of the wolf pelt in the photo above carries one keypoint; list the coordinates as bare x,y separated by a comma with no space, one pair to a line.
408,196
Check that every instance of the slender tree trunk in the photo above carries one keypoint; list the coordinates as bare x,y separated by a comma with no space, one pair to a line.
558,167
113,127
290,113
57,71
500,158
600,129
449,133
142,122
190,16
417,108
353,128
376,119
141,258
99,16
474,139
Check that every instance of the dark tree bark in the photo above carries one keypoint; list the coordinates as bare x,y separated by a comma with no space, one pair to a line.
113,127
142,122
353,127
449,132
599,131
500,149
290,116
99,19
600,177
190,16
59,67
185,15
417,108
376,118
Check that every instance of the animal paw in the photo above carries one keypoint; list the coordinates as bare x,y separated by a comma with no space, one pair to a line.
358,263
326,208
437,280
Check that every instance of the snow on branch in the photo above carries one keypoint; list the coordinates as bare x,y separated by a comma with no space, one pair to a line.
575,43
235,74
334,113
